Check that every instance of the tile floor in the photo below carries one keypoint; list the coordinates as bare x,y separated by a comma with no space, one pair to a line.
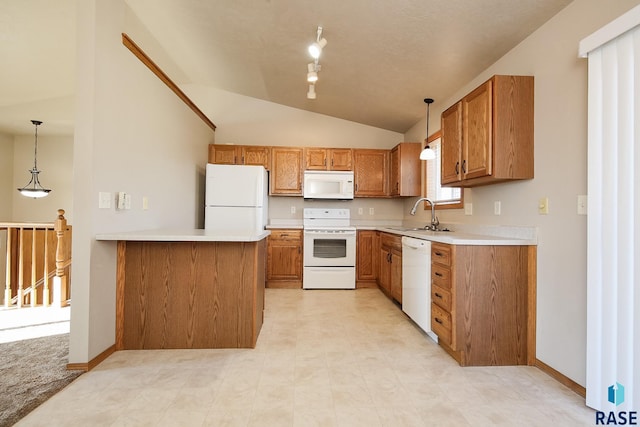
324,358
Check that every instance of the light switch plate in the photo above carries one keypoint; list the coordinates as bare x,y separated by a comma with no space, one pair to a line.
468,208
104,200
543,206
497,207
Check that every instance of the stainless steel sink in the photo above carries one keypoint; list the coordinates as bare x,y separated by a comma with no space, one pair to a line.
418,229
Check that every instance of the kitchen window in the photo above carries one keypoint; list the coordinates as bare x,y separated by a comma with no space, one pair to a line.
444,197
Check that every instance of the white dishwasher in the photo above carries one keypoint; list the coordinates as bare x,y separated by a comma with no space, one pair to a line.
416,282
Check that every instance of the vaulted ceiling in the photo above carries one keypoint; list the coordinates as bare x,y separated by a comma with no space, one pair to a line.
382,58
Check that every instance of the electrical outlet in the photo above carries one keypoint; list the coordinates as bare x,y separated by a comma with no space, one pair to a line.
145,203
543,206
127,201
371,211
359,211
468,208
293,210
582,205
497,207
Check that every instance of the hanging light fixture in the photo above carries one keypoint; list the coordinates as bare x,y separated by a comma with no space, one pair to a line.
34,188
427,153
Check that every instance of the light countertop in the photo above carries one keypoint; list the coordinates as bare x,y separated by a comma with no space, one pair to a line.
184,235
460,238
461,234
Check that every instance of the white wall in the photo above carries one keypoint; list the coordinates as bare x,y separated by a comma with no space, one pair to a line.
549,54
55,162
132,134
6,177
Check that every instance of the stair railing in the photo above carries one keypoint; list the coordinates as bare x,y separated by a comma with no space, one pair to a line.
47,258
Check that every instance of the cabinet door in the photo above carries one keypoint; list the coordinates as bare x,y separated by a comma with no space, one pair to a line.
256,156
366,256
341,159
286,171
315,159
477,118
394,174
223,154
385,271
370,172
451,145
284,256
395,275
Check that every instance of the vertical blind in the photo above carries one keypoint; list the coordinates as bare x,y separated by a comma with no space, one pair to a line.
613,254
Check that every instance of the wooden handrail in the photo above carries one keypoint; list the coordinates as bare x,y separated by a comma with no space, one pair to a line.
31,264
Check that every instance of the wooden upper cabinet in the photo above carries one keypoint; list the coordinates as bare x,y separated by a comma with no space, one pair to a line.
451,152
286,171
487,137
223,154
476,132
405,178
239,155
339,159
256,155
370,172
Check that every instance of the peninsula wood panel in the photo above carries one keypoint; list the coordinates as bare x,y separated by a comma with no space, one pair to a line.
184,295
491,303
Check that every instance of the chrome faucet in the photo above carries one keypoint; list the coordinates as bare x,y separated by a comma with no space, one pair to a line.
434,219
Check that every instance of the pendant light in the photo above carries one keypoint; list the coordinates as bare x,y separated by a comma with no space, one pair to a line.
34,188
427,153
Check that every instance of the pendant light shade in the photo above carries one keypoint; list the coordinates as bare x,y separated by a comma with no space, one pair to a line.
427,153
34,188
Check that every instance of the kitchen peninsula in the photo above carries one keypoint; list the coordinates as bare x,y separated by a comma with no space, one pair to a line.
188,289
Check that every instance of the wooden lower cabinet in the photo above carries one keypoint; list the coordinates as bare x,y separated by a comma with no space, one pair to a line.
284,259
390,262
367,247
483,303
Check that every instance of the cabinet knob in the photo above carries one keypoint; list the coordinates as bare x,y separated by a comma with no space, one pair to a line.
438,274
437,320
438,295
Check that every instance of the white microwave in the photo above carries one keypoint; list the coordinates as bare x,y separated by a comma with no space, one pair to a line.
337,185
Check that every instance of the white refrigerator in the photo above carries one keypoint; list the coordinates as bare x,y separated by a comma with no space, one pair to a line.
235,199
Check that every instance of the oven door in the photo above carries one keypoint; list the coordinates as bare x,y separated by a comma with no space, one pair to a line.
329,248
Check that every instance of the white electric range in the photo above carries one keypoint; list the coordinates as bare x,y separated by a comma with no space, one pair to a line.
329,249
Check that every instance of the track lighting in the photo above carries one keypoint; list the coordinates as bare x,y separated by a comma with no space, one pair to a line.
427,153
312,74
314,67
315,49
311,94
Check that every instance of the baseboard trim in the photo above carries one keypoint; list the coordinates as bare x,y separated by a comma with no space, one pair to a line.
86,367
564,380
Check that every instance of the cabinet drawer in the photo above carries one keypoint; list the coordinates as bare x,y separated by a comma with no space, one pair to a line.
391,241
441,297
441,254
441,323
441,276
286,235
